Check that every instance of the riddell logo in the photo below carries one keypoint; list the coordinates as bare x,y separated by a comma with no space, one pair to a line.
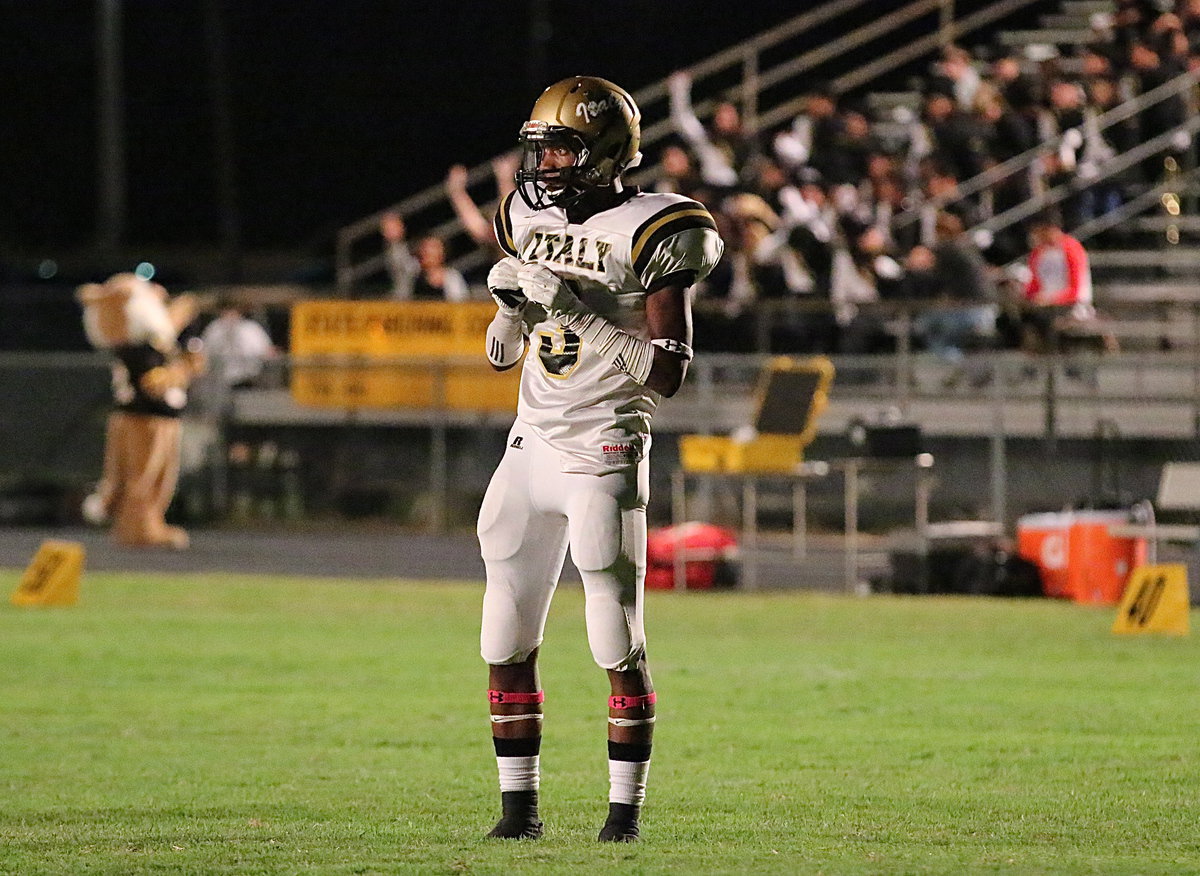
616,448
516,443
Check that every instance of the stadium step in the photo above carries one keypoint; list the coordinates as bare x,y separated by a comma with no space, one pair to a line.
1066,21
1162,223
1087,7
1148,293
1045,36
1169,258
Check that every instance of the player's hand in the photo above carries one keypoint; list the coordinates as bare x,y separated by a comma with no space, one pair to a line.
542,286
505,288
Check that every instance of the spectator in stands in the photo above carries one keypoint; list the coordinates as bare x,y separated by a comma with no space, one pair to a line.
1096,60
889,200
956,138
1059,291
959,287
849,160
1063,122
478,226
1151,71
811,140
722,149
677,172
1019,89
864,272
1100,146
238,346
1131,22
422,274
940,193
1189,21
958,67
810,224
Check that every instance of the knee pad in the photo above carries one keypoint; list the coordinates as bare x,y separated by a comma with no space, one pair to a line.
619,661
494,655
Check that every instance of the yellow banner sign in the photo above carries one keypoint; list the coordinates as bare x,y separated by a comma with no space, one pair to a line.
390,328
385,354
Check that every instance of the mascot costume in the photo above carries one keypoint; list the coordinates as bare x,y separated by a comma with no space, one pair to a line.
139,325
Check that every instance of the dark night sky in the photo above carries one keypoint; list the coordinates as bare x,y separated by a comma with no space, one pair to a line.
339,106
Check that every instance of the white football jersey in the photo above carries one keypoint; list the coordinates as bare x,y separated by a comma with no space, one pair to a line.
596,416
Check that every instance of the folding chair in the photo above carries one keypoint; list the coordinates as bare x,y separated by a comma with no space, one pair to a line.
791,396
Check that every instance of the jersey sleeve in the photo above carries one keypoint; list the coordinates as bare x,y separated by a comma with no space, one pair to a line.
680,237
503,225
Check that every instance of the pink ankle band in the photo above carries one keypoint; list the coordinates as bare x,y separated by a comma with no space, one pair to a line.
621,702
522,699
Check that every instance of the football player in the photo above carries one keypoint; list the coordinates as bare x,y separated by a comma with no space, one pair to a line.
592,300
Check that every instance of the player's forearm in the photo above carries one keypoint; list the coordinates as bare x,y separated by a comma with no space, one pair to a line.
659,365
505,341
667,373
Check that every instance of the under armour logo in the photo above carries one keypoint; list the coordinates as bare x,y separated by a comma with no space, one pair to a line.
516,442
496,696
619,703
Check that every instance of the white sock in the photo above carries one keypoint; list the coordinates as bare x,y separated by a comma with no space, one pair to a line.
627,781
519,773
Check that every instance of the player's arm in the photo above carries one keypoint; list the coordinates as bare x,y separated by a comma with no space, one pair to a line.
506,332
630,354
669,318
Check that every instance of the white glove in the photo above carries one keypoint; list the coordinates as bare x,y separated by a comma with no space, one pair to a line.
503,284
542,286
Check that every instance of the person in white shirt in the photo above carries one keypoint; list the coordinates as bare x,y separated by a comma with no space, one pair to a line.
237,346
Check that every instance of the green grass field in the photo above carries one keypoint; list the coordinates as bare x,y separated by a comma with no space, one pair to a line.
222,724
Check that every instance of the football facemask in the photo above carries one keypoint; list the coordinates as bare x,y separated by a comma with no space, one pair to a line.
541,183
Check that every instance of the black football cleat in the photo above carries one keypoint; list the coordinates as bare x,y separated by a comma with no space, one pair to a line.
514,828
520,819
622,824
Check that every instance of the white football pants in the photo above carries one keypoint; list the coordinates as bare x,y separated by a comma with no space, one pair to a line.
531,512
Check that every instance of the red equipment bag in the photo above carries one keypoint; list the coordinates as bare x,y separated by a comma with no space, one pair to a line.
708,554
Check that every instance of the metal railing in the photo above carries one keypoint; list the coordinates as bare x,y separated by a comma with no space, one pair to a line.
754,80
1052,397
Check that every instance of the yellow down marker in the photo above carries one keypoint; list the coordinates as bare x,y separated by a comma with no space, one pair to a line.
1155,601
53,576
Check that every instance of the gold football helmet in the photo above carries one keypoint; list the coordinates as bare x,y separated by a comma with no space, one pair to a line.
593,118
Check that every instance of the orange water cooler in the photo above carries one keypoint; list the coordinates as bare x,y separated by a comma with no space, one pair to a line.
1078,558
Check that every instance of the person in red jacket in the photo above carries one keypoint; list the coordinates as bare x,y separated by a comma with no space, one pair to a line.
1059,290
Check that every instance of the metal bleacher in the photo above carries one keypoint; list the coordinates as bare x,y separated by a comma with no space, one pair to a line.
1143,252
768,73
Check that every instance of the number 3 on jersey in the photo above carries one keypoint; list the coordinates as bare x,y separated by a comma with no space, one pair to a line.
558,352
